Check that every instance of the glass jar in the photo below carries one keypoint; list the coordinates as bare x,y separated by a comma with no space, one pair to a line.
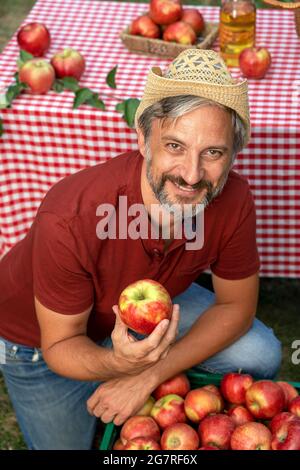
237,28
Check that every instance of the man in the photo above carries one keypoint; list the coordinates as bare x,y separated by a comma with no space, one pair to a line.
59,287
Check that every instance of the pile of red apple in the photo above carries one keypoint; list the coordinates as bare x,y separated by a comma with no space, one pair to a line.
39,74
243,414
168,20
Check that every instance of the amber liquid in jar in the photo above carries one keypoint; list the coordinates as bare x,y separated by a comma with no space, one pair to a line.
237,29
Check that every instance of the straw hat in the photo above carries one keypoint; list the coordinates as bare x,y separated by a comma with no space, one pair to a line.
201,73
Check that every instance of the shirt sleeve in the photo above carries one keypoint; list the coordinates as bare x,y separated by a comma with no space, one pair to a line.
60,282
238,257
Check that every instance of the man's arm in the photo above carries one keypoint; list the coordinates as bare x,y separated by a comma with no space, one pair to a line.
70,353
222,324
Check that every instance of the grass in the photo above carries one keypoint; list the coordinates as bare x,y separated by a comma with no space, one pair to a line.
279,298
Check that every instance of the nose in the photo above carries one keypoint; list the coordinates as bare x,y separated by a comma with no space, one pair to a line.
193,169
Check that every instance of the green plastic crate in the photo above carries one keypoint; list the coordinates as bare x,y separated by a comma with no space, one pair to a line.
196,379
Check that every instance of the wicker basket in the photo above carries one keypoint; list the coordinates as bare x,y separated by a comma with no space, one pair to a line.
289,6
158,47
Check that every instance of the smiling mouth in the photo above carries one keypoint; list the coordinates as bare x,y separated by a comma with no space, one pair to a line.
185,189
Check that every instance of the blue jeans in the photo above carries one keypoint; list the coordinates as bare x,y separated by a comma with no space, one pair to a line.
51,410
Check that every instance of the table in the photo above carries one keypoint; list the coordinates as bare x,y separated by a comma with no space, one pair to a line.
45,139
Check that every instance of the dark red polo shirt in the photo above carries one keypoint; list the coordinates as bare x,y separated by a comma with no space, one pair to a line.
67,267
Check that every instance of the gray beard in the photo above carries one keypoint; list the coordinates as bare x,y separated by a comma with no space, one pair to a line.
175,209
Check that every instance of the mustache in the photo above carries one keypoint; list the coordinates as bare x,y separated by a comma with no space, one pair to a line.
179,180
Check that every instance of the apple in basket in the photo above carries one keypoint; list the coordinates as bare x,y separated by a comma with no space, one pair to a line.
165,11
38,74
178,384
34,38
254,62
180,32
194,18
251,436
144,26
143,304
68,63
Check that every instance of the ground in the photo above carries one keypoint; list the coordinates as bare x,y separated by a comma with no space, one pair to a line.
279,298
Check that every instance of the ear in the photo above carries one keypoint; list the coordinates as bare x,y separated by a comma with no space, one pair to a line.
141,141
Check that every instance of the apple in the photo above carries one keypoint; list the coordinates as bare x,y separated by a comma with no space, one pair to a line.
68,63
147,407
265,399
216,431
143,304
294,406
139,426
142,443
34,38
212,388
254,62
38,74
165,11
194,18
179,385
181,33
144,26
118,445
179,436
169,410
240,415
289,392
234,387
251,436
287,437
208,448
279,420
199,403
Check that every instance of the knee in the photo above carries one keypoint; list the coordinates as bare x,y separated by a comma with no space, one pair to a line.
264,356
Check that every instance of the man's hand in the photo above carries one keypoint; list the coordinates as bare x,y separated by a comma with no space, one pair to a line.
118,399
132,356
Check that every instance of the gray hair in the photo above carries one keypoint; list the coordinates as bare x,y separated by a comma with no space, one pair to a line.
176,106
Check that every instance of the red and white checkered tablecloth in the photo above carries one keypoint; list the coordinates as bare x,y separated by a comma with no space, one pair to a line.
45,139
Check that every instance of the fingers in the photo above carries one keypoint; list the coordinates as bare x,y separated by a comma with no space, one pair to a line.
155,337
171,333
120,329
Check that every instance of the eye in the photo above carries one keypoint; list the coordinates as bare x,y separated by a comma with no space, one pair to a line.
173,146
214,153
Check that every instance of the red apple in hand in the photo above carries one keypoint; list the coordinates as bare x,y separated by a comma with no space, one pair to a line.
194,18
254,62
34,38
144,26
216,431
38,74
68,63
179,436
251,436
165,11
265,399
179,385
169,410
234,387
144,304
180,32
139,426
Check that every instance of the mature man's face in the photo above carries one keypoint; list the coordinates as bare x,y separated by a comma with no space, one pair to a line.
188,158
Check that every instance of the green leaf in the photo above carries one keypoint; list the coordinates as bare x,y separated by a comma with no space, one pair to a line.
13,91
96,102
111,76
58,86
128,108
1,127
70,83
16,77
3,101
24,56
82,96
